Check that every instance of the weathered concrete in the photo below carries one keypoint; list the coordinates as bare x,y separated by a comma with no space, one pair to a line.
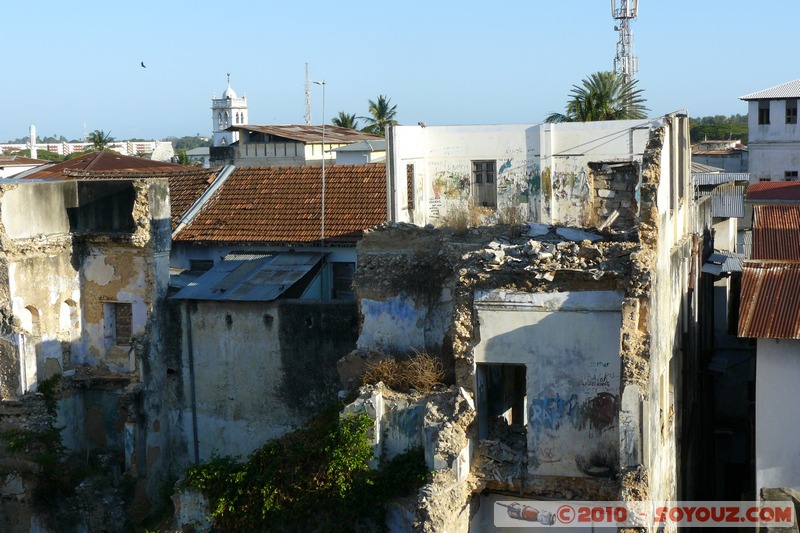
252,371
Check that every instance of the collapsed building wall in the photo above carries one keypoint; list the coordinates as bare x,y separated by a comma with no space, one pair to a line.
580,333
86,273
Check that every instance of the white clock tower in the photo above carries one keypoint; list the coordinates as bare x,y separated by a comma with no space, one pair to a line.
227,111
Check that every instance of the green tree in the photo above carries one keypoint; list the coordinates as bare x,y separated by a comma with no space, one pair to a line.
100,140
718,127
345,121
382,115
603,96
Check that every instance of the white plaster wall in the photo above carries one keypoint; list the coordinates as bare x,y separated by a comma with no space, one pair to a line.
771,160
50,201
777,418
237,373
777,130
569,343
666,326
530,158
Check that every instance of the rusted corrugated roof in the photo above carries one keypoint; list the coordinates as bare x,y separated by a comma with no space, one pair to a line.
785,90
252,277
104,162
284,205
774,191
776,232
770,300
17,160
312,134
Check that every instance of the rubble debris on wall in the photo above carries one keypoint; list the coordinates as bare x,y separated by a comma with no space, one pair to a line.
534,258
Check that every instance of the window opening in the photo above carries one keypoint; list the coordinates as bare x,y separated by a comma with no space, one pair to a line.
484,186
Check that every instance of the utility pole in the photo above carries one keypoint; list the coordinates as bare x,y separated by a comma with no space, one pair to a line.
308,98
625,63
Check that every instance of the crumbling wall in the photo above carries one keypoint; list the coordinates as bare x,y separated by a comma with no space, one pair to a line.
257,370
60,272
614,189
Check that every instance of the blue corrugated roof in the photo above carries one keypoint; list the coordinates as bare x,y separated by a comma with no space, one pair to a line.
251,277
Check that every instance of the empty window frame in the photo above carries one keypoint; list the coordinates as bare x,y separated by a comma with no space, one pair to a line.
410,186
763,111
791,111
790,175
201,265
343,280
118,323
484,186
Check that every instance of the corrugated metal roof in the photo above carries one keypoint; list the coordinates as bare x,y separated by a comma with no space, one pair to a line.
723,261
362,146
776,232
18,160
312,134
727,201
774,191
251,277
107,161
770,300
786,90
718,178
698,168
746,246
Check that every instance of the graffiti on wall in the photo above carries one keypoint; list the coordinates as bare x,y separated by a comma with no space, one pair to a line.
519,186
552,412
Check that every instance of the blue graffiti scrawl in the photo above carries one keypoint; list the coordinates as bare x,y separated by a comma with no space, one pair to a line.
551,412
505,166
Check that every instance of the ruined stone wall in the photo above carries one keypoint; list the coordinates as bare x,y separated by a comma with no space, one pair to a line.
614,188
62,277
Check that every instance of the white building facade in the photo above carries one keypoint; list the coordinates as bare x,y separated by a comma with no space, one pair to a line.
774,136
227,111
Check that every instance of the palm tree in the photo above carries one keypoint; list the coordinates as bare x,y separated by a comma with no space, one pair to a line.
604,96
345,121
382,115
100,140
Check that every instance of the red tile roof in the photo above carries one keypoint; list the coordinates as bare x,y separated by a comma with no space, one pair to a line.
103,162
770,300
771,191
283,205
776,232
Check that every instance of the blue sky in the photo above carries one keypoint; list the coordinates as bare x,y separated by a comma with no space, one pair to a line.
442,62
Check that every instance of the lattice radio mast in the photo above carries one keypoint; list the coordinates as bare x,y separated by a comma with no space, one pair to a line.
625,63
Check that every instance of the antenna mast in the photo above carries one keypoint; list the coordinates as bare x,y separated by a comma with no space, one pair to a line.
308,98
625,63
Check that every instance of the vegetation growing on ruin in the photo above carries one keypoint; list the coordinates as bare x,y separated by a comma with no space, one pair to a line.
40,454
421,372
314,479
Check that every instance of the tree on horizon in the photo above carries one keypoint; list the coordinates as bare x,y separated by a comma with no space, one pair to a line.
604,95
100,140
382,115
345,120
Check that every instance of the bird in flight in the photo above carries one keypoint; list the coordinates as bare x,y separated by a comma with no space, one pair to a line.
143,65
